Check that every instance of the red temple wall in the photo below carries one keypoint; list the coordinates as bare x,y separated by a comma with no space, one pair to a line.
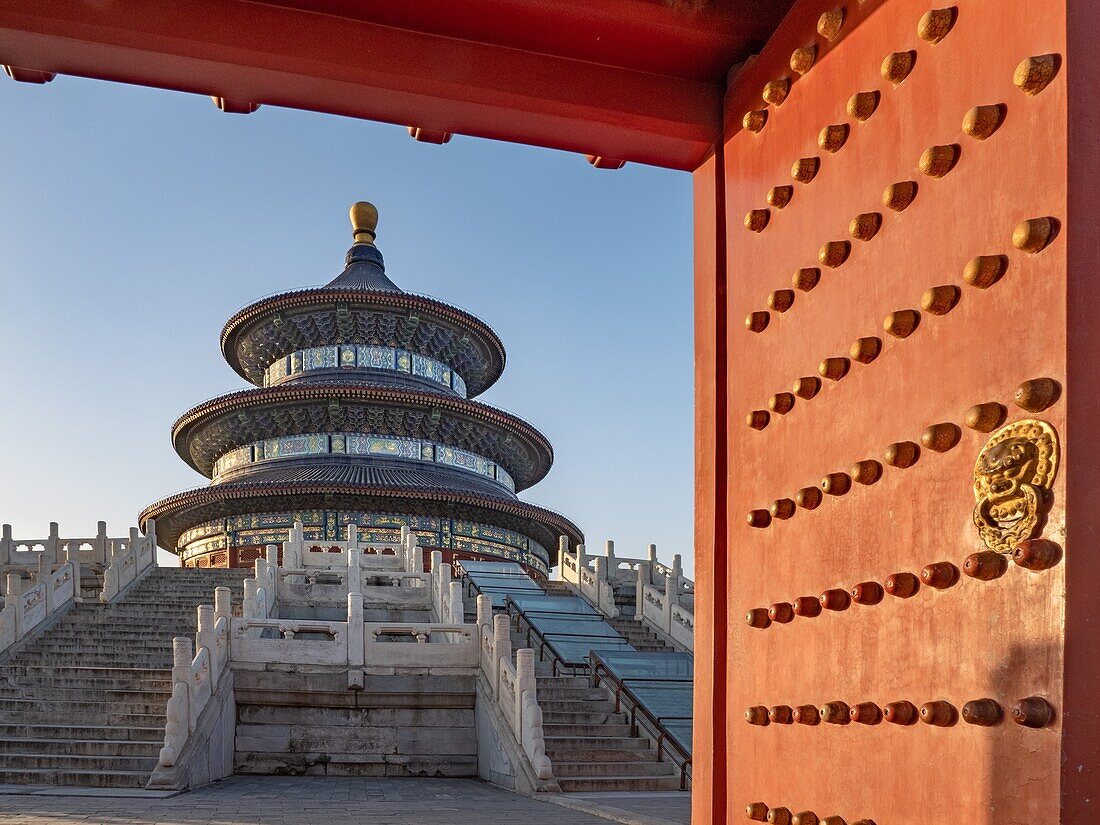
1001,639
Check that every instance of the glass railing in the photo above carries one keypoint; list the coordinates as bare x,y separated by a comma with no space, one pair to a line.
657,690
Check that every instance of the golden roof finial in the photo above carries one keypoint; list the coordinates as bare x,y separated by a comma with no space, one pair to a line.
364,220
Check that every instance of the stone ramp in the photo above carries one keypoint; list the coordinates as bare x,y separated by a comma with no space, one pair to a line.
84,703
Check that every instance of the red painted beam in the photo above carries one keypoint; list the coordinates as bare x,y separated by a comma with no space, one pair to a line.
266,54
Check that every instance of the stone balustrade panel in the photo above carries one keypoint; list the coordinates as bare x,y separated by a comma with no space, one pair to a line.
24,555
289,642
128,560
437,645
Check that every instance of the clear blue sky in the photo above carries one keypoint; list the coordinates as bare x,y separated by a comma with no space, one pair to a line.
134,222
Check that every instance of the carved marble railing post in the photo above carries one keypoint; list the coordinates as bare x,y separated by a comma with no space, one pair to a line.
177,725
355,560
13,607
248,610
643,575
417,562
441,596
182,655
595,577
456,610
406,546
355,630
99,546
529,730
42,576
534,739
53,544
6,545
204,637
484,610
223,603
677,569
525,682
563,551
151,537
582,558
610,561
292,548
502,646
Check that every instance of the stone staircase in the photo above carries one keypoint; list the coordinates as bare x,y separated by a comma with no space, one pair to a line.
626,598
84,703
641,636
591,747
557,588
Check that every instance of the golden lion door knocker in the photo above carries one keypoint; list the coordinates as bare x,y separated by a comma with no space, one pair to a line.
1013,477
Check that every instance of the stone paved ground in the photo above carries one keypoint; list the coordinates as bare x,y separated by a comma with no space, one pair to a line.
293,800
646,808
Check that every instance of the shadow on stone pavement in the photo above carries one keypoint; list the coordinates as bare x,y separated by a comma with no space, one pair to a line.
291,800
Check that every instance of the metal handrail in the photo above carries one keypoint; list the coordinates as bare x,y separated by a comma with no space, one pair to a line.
680,756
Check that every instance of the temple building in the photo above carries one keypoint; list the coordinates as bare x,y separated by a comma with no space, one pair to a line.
362,413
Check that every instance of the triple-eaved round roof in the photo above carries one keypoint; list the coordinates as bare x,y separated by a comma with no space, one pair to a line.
362,306
213,428
363,400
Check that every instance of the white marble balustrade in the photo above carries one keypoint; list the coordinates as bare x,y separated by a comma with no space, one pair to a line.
197,669
129,560
25,608
513,685
261,637
665,598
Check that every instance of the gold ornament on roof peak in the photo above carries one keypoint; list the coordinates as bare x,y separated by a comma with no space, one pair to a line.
364,221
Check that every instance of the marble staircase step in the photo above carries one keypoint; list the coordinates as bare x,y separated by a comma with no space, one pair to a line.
582,718
603,705
574,755
576,694
602,729
123,696
83,777
78,672
565,770
580,743
35,710
71,762
77,731
600,784
80,747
